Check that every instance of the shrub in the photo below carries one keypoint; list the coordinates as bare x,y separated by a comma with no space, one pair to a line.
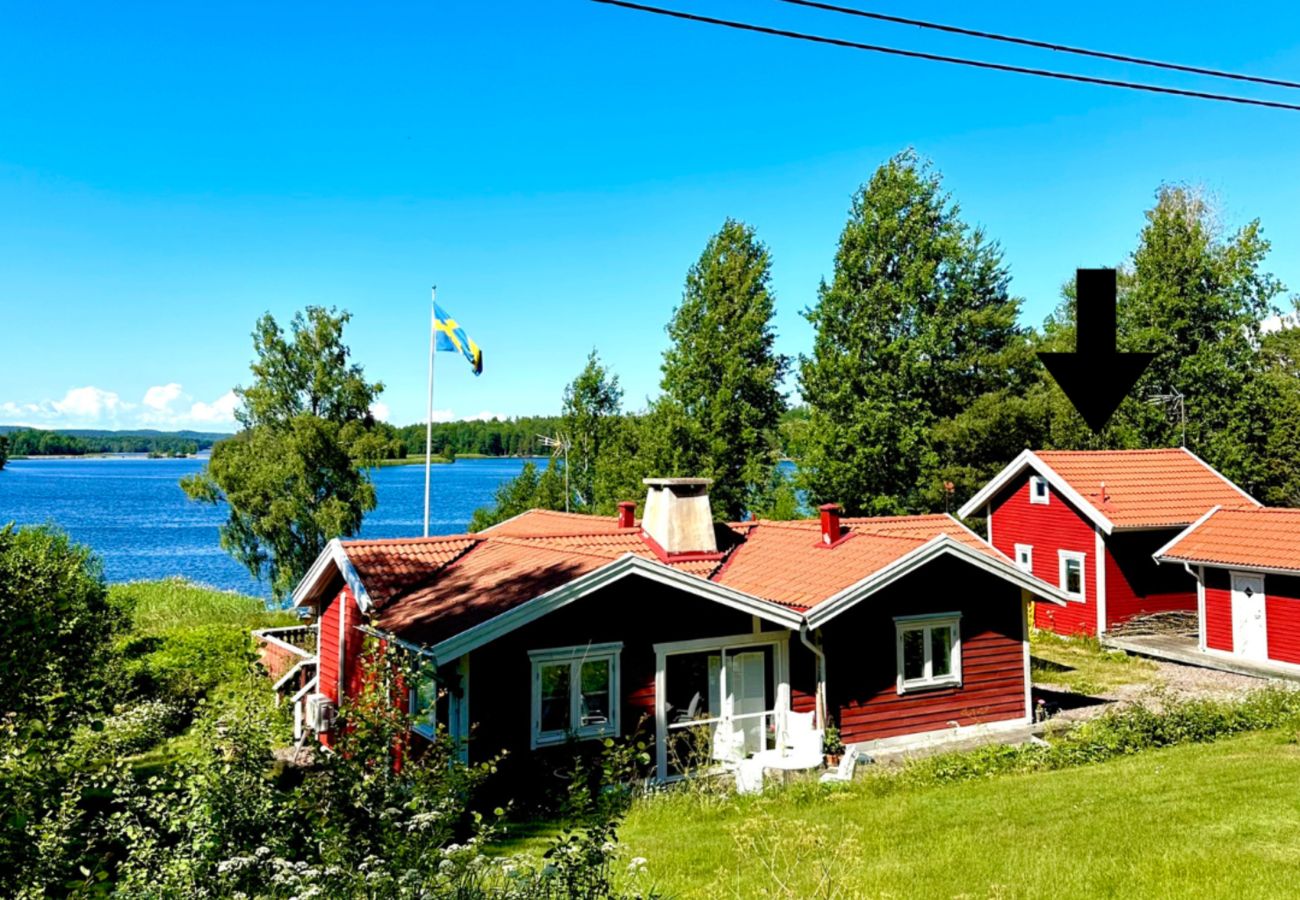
58,624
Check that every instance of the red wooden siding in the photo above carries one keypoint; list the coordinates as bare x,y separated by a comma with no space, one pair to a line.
1282,606
328,648
1049,527
803,676
1218,610
636,612
861,656
1136,584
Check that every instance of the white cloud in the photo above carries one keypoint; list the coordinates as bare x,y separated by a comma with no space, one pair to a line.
1278,323
161,396
219,412
442,415
90,403
380,411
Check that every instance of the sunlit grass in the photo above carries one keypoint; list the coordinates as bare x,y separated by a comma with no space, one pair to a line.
1205,820
1084,666
173,604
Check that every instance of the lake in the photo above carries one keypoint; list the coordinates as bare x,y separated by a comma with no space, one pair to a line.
135,516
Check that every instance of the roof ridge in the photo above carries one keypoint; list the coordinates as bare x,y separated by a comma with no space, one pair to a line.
430,539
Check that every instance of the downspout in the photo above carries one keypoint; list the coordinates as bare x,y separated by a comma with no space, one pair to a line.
820,696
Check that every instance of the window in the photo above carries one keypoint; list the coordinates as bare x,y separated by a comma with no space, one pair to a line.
929,651
428,701
1072,578
1038,492
575,693
1025,557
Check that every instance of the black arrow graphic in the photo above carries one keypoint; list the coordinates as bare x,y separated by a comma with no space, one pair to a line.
1095,377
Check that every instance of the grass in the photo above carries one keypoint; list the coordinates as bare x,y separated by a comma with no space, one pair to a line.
174,604
1084,666
1203,820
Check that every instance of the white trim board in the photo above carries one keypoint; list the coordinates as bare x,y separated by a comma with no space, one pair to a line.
627,565
333,553
1029,460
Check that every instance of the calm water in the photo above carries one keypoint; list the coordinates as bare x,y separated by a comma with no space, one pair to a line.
134,514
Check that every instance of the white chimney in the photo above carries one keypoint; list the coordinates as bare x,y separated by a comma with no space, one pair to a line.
678,516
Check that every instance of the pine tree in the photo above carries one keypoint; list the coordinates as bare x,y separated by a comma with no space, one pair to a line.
915,333
722,377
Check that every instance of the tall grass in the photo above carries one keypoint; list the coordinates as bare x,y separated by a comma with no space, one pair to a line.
174,604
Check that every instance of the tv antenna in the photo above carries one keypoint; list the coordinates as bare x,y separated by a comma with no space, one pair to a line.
559,444
1173,401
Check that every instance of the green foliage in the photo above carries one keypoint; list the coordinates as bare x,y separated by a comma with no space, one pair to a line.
915,330
1196,297
172,604
722,374
293,477
592,404
58,623
4,450
515,436
40,442
530,489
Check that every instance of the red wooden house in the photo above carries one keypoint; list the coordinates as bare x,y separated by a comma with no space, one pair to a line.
551,627
1246,564
1089,522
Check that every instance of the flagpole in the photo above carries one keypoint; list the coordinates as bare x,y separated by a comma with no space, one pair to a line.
428,425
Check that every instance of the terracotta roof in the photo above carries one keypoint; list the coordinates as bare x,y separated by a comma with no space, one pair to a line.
785,561
1257,538
550,523
1144,488
387,567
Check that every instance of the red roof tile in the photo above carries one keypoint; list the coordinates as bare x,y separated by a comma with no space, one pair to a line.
1257,538
1144,488
429,589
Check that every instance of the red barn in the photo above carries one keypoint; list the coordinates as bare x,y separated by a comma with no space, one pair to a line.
1089,522
1246,563
552,627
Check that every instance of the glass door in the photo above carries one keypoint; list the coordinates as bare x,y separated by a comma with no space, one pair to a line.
719,705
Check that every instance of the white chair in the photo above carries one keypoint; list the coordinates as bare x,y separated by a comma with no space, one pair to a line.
691,710
843,773
749,776
801,746
728,743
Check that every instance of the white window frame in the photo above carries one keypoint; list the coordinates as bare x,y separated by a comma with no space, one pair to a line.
1028,565
1034,482
1064,556
926,624
575,656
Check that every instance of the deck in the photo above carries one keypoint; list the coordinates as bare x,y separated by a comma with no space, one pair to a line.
1182,648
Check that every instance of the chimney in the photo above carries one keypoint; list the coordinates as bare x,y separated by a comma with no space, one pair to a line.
627,514
678,516
830,523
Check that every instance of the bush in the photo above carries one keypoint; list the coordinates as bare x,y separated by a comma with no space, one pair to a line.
58,624
183,665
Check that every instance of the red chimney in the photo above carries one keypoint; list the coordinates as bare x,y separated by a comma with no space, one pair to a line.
627,514
830,523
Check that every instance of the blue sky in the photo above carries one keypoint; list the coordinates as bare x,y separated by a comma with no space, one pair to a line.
168,172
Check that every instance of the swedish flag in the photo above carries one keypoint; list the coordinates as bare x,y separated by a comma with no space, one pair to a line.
453,339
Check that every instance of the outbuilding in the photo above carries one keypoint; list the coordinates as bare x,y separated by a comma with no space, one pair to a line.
1089,521
1246,565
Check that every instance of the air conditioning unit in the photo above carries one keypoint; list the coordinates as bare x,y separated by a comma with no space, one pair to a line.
321,712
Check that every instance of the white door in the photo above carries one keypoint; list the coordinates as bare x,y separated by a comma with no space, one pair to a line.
747,696
1249,631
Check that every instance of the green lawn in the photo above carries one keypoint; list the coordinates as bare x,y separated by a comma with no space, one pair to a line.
1084,666
1204,821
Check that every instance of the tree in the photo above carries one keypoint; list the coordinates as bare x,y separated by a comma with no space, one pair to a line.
722,376
4,450
591,410
1194,297
58,624
530,489
292,477
916,337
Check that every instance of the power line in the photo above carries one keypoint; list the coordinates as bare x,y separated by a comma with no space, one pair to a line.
935,57
1043,45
